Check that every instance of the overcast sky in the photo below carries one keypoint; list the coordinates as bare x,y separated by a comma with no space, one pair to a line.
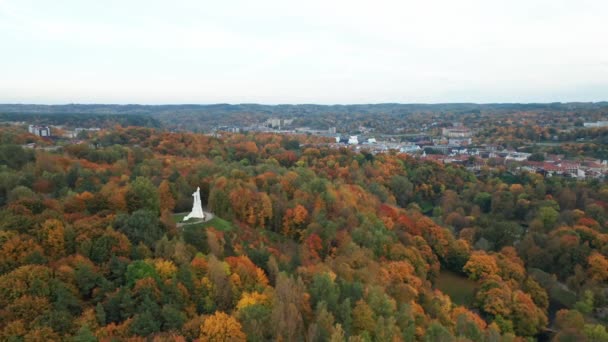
308,51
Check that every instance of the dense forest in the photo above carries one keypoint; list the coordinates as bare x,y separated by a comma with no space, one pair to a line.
308,243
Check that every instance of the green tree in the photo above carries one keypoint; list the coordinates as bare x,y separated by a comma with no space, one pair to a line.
438,333
585,305
484,201
100,314
324,289
139,270
406,322
219,203
144,324
142,194
345,316
141,226
15,157
173,319
63,298
84,334
101,248
468,328
20,192
596,332
502,233
548,217
402,188
86,278
256,322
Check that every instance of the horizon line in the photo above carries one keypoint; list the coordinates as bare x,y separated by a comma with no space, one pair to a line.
295,103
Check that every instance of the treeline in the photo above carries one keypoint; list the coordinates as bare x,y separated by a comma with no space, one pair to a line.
82,119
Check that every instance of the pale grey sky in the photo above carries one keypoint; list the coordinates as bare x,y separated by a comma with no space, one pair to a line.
280,51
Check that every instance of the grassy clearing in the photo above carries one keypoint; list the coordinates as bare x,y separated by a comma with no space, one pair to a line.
460,289
177,218
218,224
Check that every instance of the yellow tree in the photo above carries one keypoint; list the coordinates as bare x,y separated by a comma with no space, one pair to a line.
221,327
481,265
52,236
598,267
252,298
363,318
266,208
166,269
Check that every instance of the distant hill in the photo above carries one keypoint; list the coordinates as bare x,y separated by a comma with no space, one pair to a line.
192,116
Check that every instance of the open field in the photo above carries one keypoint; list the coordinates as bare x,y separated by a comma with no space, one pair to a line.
459,288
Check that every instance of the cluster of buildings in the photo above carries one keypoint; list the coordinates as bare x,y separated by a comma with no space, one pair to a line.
554,165
276,123
454,146
456,136
354,140
375,146
586,168
451,138
47,131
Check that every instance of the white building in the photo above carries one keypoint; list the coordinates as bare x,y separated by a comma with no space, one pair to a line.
278,123
410,149
41,131
596,124
580,174
517,156
459,141
353,140
456,132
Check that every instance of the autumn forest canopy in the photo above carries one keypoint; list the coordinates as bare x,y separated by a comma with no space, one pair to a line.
308,242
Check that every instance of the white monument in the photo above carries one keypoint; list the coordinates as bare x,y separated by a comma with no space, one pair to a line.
197,208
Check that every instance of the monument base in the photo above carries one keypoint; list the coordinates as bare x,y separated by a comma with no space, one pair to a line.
190,216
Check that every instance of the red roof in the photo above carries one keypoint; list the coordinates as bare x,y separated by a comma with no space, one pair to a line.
552,167
569,165
594,165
